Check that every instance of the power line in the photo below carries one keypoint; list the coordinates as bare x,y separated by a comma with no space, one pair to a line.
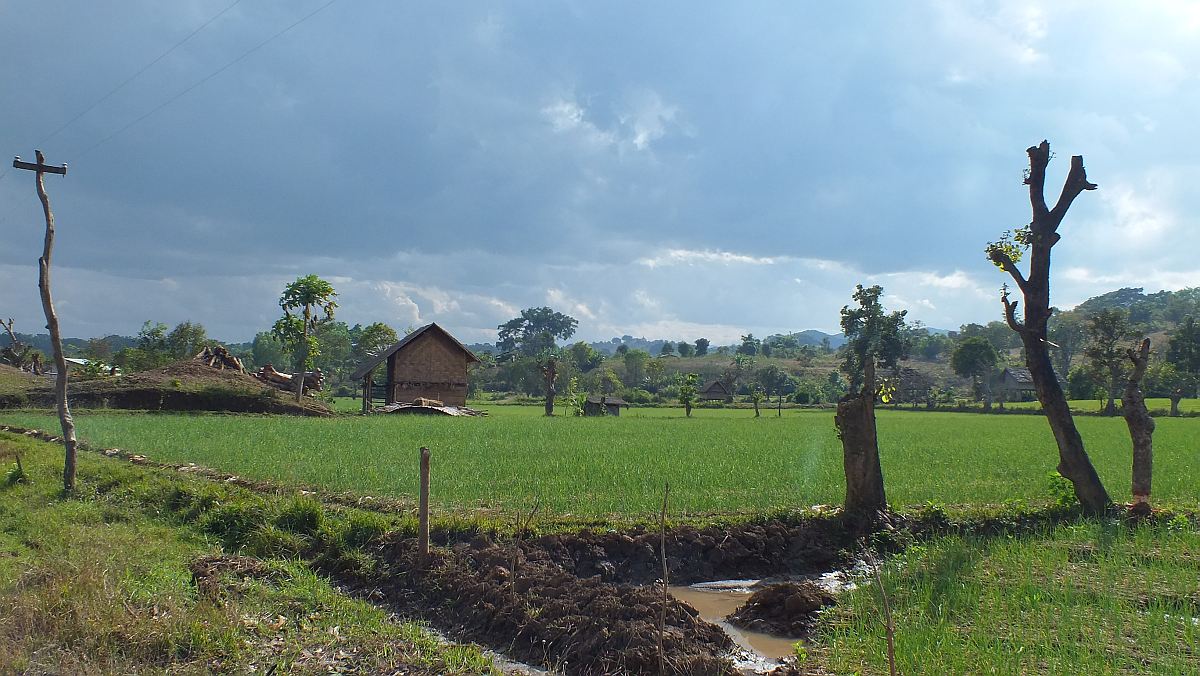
133,77
206,78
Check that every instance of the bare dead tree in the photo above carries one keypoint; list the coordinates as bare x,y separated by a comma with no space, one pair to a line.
16,352
1039,237
60,381
1141,428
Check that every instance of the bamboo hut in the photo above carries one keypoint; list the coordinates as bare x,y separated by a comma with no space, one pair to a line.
428,363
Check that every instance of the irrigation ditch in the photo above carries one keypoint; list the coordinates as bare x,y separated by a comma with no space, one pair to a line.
591,602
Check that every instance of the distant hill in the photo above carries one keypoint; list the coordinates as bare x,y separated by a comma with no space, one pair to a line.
1158,310
815,338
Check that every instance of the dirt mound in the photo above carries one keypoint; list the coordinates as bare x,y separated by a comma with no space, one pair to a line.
545,615
186,385
786,609
697,555
585,603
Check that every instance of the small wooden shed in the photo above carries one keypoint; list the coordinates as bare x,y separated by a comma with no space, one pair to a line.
599,404
428,363
1016,384
715,390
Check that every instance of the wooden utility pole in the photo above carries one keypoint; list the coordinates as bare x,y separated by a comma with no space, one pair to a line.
40,168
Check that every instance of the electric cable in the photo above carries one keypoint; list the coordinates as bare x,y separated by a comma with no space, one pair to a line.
206,78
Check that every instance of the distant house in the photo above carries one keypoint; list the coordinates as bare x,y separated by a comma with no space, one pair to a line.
599,404
81,365
1016,384
428,363
715,391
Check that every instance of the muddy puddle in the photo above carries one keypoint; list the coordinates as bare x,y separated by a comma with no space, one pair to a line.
716,601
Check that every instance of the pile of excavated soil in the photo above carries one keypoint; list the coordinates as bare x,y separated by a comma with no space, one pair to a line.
586,603
185,385
785,609
701,554
542,614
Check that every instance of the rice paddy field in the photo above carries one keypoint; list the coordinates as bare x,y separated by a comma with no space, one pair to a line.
720,461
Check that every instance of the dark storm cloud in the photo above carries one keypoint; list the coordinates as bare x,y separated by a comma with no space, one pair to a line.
510,155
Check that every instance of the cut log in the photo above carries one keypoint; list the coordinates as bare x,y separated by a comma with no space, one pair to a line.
219,357
313,380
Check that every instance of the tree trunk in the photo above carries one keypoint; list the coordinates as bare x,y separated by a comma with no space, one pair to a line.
1176,395
756,413
687,409
1073,461
1114,391
299,377
550,372
855,421
60,362
1141,428
987,393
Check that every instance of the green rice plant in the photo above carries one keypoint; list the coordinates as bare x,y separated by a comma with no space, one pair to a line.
719,461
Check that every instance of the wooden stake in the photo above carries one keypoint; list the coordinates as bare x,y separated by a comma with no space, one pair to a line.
423,511
662,549
366,394
60,381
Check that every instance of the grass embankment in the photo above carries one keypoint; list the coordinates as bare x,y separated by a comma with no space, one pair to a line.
14,381
1097,598
718,462
103,582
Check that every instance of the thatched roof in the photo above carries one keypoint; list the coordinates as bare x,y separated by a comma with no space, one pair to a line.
1021,376
715,385
369,365
608,400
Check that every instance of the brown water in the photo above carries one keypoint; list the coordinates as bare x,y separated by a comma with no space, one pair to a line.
715,604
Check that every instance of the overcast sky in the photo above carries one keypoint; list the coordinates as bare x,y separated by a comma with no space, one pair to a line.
673,170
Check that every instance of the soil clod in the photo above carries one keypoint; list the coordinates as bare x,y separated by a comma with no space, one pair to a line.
785,609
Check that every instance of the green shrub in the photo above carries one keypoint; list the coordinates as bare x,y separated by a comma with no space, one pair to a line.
16,475
1062,491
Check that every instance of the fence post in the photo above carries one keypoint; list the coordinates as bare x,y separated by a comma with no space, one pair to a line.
423,510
